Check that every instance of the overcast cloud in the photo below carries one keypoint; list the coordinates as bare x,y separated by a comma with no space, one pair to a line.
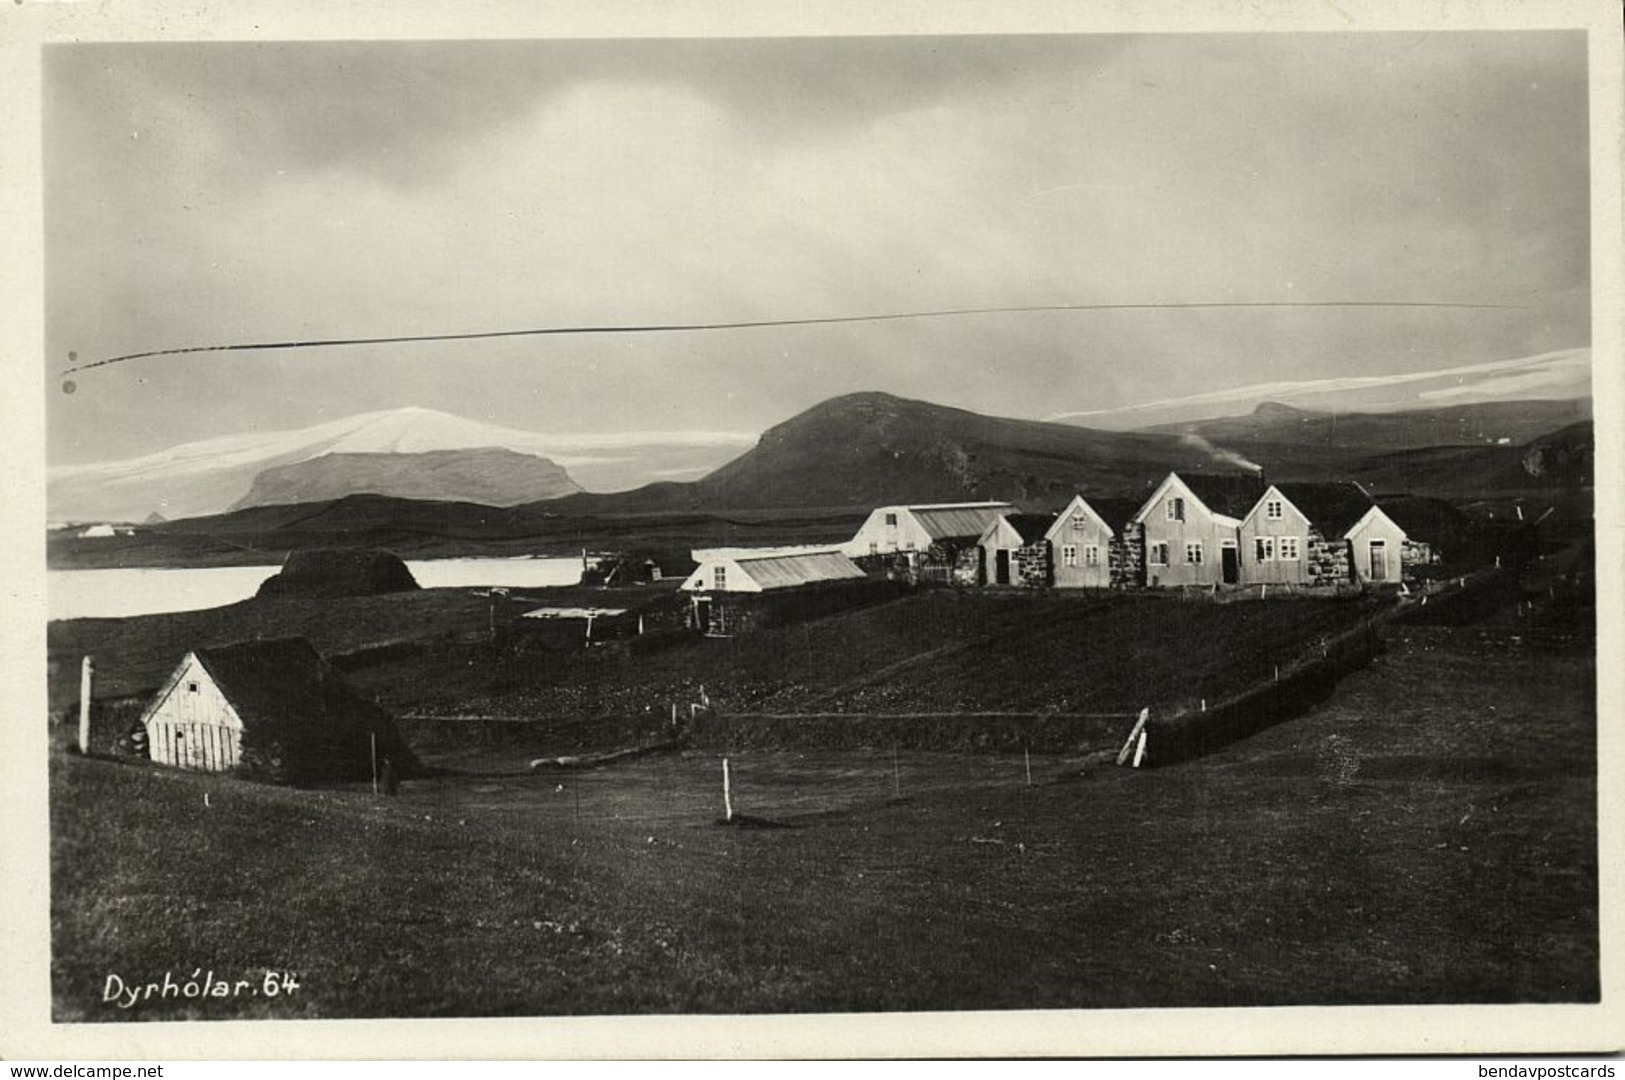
201,194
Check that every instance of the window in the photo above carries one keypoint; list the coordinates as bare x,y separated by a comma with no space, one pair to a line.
1264,548
1193,553
1069,555
1272,510
891,519
1091,555
1289,548
191,688
874,548
719,577
1176,509
1079,523
1159,554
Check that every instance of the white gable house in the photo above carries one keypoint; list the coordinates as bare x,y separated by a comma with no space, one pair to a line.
892,529
722,586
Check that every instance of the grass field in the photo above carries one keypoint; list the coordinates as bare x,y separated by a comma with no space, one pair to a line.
1426,836
937,651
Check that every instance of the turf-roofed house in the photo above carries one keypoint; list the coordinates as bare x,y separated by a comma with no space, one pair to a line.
1014,551
733,591
1320,534
1191,525
273,710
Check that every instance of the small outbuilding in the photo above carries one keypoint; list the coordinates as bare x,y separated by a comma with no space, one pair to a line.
735,591
1014,551
271,709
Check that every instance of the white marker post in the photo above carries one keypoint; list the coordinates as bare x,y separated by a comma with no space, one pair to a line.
1139,725
1027,759
1139,752
373,739
86,670
727,796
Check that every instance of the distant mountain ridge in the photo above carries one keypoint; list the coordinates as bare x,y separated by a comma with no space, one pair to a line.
209,476
489,476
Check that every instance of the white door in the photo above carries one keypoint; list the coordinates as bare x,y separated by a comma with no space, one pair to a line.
1379,560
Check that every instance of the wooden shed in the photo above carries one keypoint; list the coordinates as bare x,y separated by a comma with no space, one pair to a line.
273,709
1015,552
1377,548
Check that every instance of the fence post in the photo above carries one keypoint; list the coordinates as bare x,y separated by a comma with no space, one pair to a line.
727,795
86,671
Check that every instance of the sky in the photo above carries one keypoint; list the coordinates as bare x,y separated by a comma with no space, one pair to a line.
203,194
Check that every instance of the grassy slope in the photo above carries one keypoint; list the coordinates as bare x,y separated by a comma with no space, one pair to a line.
133,655
1428,836
935,651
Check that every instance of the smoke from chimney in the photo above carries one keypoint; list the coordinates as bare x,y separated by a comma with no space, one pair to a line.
1220,454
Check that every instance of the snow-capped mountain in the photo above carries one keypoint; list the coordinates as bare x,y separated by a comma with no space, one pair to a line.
1556,376
211,475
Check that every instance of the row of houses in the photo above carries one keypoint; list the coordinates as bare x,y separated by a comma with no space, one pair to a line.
1193,530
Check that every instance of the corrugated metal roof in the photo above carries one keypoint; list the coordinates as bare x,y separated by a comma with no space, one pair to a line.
788,571
953,521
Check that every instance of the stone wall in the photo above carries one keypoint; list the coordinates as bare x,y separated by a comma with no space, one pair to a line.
1327,561
1126,557
1413,554
1030,566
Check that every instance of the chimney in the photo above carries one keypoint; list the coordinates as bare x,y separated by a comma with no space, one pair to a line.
85,670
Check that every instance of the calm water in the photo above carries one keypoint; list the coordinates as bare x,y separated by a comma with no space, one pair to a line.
80,594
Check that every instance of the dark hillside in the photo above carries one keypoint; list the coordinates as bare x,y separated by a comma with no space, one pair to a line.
869,449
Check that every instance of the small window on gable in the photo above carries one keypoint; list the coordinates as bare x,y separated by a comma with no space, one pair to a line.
1079,523
891,519
1272,510
1176,509
719,577
191,688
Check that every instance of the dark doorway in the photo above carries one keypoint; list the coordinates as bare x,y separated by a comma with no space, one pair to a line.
702,616
1001,567
1230,565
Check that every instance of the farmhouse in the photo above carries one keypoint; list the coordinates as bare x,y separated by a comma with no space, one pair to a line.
734,591
1191,528
1088,552
272,709
1014,551
1296,534
892,529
